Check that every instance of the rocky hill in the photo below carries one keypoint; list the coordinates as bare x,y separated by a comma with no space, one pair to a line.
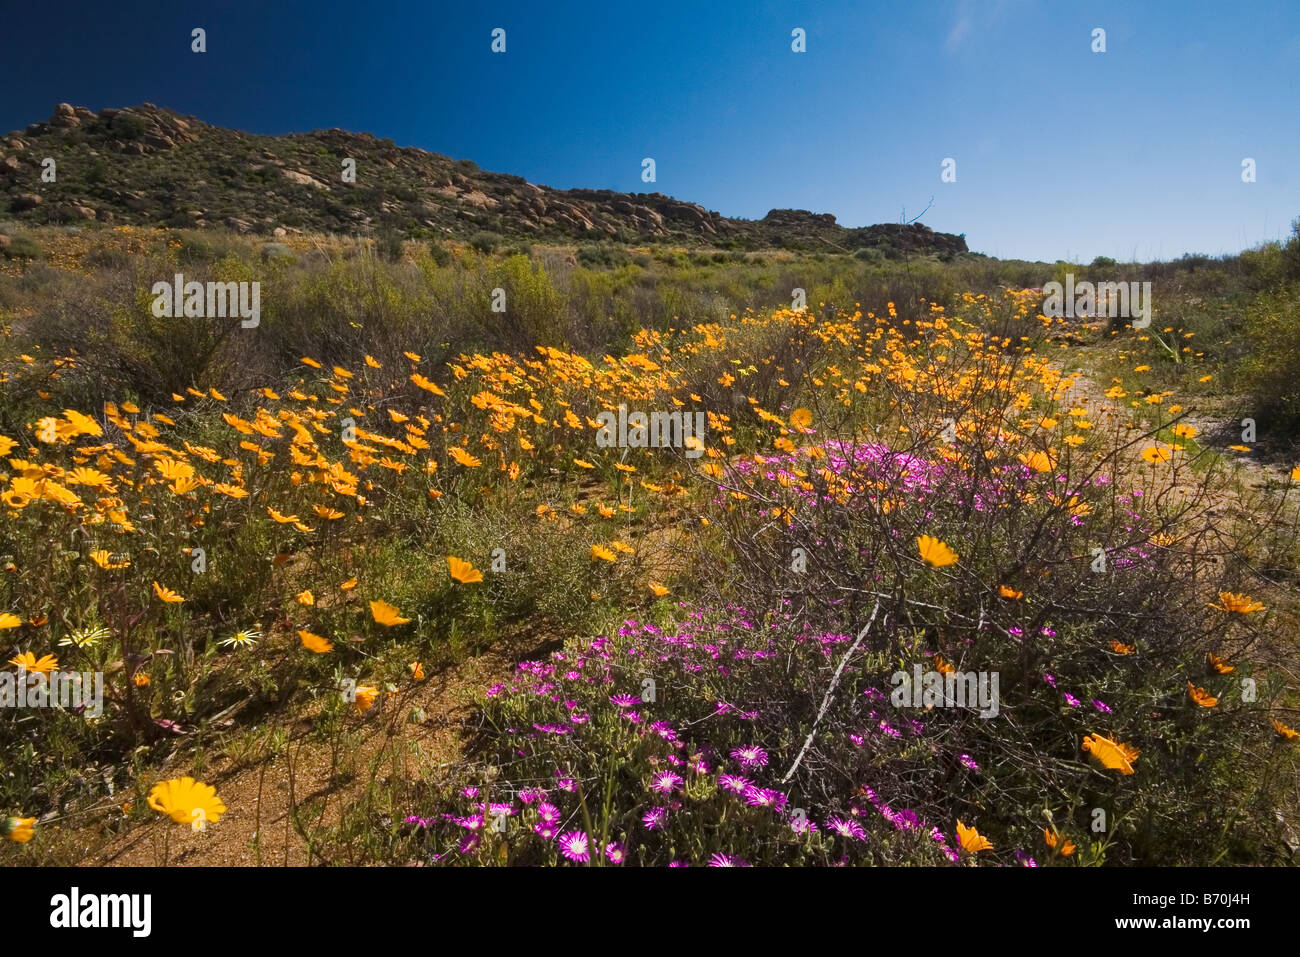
145,165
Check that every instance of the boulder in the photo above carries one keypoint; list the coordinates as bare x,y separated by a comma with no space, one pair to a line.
26,201
64,116
305,179
480,199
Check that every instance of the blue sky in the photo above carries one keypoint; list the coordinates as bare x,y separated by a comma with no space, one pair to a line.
1060,152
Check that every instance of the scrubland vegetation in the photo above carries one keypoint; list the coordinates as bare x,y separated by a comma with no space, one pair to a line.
269,539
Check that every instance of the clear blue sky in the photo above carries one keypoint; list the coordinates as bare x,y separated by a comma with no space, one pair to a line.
1061,152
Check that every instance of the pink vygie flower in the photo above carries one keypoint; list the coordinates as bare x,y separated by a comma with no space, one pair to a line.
734,783
666,782
654,818
573,845
764,797
846,827
802,825
724,860
751,756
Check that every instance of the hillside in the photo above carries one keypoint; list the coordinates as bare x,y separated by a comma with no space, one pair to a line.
145,165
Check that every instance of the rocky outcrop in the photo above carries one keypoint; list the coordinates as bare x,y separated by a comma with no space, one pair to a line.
109,170
303,179
910,238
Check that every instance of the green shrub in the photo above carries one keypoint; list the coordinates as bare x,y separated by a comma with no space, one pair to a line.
603,256
390,244
128,126
1291,253
533,306
23,247
439,253
484,242
1271,368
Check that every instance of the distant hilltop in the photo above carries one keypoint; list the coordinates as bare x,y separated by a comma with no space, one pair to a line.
145,165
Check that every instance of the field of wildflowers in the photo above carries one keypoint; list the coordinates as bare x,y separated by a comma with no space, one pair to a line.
288,530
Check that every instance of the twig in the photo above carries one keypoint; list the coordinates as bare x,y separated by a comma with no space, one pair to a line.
909,222
830,693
